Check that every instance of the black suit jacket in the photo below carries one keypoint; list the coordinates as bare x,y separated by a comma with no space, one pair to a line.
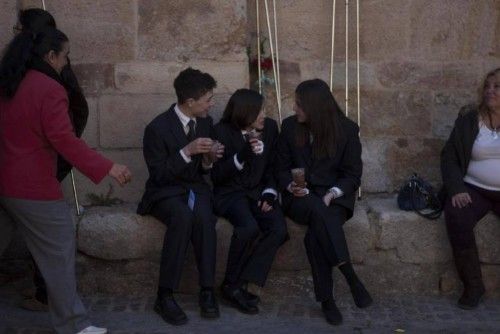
256,175
343,170
457,151
169,174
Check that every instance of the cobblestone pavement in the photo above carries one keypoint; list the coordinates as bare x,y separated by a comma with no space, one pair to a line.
288,315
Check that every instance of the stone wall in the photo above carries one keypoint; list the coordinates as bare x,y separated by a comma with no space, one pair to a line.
395,252
126,54
420,61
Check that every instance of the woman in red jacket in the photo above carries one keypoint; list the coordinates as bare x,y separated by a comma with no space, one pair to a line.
34,129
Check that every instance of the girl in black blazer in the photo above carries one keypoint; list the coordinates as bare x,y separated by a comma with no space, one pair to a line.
245,193
325,143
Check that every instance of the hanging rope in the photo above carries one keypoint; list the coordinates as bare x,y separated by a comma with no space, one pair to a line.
333,45
278,77
347,57
358,90
275,73
259,65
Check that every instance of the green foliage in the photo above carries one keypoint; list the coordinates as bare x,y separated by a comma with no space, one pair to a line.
104,199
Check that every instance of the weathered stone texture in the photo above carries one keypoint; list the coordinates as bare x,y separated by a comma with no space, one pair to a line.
415,239
99,31
95,78
8,18
408,155
91,132
123,118
149,77
446,106
395,252
488,236
109,234
384,30
448,30
131,193
190,30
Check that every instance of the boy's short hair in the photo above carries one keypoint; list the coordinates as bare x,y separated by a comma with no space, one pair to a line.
192,83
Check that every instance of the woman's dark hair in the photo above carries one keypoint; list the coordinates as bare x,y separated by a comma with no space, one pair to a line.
192,83
483,108
322,117
19,53
243,108
35,20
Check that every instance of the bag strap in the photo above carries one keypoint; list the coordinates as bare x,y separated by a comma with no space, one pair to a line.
434,214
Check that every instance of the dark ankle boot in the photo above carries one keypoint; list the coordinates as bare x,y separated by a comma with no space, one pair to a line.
360,295
469,271
331,312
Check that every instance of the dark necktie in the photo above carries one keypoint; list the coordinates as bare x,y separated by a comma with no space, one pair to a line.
191,135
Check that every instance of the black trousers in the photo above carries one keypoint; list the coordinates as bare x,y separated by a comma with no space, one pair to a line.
184,225
325,241
460,222
257,235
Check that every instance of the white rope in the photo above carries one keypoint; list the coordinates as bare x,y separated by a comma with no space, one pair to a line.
333,45
358,79
278,76
272,59
259,65
347,57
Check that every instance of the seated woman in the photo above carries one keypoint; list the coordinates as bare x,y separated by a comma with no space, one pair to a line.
34,128
245,193
325,145
470,165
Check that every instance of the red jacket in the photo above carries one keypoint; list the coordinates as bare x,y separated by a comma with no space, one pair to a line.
34,127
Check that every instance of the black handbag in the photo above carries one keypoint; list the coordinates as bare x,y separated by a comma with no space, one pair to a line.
418,195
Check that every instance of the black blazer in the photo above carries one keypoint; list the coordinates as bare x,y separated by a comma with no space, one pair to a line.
256,175
342,171
456,154
169,174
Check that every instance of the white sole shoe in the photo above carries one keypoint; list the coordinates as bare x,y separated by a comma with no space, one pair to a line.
93,330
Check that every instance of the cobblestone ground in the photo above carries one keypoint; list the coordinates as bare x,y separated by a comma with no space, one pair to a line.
284,315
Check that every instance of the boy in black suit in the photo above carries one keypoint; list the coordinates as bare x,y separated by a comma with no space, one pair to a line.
178,150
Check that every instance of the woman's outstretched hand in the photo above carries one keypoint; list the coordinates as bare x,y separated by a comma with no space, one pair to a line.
121,174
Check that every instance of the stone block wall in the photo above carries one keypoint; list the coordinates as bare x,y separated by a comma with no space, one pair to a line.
126,54
421,60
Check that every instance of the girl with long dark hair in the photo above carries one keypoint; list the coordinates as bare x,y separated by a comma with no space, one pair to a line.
34,129
245,192
323,145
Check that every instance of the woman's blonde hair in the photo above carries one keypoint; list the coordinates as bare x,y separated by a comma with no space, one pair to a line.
483,107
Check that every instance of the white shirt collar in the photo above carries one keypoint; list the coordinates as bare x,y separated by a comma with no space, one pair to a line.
183,118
